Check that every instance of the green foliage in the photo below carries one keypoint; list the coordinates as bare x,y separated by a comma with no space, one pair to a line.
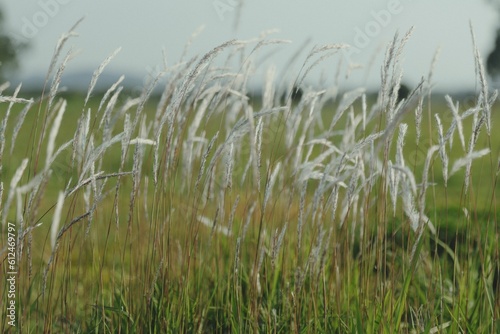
9,51
493,61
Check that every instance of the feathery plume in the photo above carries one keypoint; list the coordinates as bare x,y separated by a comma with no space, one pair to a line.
53,133
277,242
54,88
270,184
59,46
19,123
481,73
423,189
97,73
460,163
54,228
204,159
212,224
457,123
442,149
13,187
327,50
418,115
229,167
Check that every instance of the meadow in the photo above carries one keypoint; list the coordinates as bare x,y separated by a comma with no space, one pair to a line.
212,208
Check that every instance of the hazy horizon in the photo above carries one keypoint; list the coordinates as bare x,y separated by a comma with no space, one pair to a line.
145,31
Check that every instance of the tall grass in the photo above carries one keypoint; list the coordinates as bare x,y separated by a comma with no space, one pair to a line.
208,210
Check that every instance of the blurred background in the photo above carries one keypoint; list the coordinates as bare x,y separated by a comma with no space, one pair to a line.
153,34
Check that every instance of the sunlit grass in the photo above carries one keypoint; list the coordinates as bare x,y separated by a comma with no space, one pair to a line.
213,212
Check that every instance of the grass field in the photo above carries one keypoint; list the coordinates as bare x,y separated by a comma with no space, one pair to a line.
205,211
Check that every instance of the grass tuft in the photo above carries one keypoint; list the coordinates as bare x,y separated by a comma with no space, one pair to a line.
213,208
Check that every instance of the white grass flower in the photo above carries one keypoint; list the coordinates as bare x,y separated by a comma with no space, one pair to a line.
95,153
3,123
460,163
269,89
136,177
142,141
79,141
60,44
125,138
14,100
392,181
253,145
19,123
409,177
270,184
13,187
108,93
314,175
403,128
54,88
53,133
156,159
229,166
245,170
442,149
457,122
481,74
192,138
409,209
357,147
466,213
425,174
211,223
327,51
364,111
54,228
434,62
418,116
477,122
258,140
347,101
98,72
248,220
195,72
106,116
4,86
423,189
204,159
277,242
399,112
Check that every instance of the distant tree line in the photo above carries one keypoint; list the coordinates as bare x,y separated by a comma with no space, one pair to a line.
493,60
9,50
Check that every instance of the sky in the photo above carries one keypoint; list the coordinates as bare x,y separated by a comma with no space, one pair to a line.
153,30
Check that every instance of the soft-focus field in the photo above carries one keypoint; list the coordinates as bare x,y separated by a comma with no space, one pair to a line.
205,210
